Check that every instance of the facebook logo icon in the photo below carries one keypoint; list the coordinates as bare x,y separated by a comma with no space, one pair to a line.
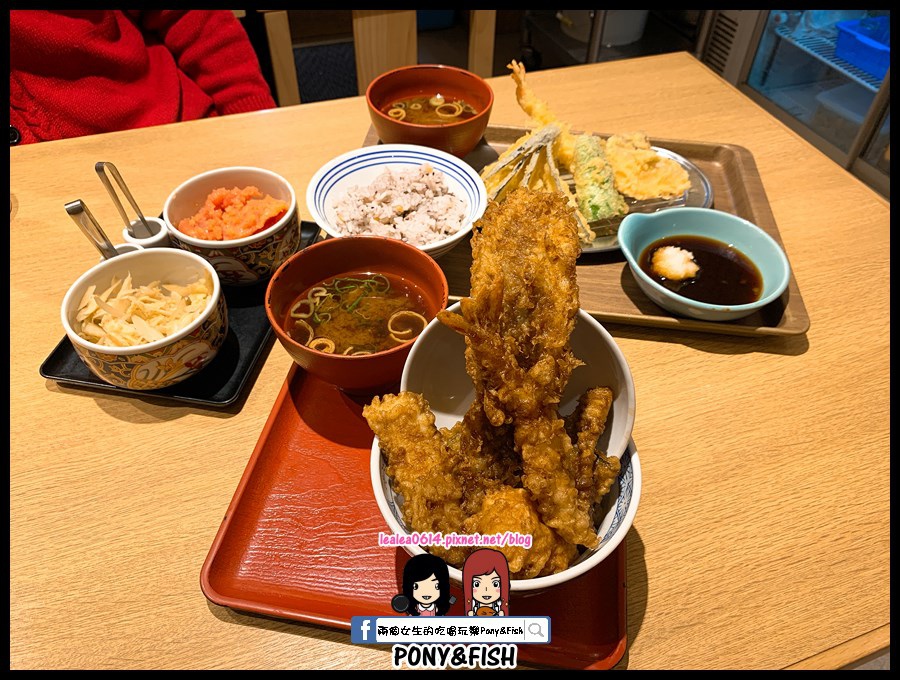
362,629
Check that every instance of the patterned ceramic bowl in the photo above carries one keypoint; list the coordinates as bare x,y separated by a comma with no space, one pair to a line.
164,362
360,167
241,261
436,368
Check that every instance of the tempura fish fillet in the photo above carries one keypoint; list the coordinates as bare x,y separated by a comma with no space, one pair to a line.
508,509
485,457
561,555
545,446
522,306
517,324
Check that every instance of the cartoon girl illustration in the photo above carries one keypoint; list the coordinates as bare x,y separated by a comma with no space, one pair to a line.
486,583
426,586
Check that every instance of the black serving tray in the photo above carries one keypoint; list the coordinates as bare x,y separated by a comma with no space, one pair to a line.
217,385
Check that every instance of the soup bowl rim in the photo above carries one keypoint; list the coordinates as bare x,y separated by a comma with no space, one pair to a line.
282,333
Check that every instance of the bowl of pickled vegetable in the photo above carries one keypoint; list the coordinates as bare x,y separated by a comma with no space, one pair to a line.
242,219
148,319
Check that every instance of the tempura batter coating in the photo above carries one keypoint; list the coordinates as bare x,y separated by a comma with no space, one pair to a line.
585,425
564,146
642,173
561,555
485,457
595,185
512,463
522,306
419,465
544,445
517,322
509,509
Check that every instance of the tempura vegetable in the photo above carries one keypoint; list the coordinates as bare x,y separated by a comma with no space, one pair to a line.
642,173
498,175
595,185
585,233
529,162
638,171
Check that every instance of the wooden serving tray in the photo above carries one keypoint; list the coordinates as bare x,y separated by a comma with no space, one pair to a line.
607,287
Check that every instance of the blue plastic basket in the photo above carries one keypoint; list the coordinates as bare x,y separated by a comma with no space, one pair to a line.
866,44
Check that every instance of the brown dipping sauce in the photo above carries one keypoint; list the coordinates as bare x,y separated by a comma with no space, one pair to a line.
726,275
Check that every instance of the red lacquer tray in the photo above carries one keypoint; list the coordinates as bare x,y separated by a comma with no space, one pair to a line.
299,540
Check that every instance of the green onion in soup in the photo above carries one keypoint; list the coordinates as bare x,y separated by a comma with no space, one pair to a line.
358,313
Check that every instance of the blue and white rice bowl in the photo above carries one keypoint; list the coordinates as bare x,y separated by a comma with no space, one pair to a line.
360,168
435,368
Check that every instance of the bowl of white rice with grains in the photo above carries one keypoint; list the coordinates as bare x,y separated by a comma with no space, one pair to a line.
418,195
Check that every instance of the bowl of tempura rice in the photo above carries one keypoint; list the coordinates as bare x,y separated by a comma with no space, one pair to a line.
436,372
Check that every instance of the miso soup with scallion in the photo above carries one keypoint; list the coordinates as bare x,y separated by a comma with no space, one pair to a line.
430,110
357,314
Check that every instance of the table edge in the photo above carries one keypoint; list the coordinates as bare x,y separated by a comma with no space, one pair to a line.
847,652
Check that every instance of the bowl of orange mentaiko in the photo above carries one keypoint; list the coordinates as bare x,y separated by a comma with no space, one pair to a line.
242,219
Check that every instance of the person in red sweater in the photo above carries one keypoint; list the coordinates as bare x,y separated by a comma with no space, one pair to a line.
76,73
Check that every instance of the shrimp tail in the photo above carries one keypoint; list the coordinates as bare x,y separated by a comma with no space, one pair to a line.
537,110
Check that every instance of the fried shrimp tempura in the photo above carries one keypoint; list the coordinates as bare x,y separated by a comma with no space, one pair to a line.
564,145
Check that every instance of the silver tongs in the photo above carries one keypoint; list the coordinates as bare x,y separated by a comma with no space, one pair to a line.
80,214
102,167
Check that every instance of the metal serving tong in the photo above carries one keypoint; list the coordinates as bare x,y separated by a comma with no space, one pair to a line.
104,167
80,214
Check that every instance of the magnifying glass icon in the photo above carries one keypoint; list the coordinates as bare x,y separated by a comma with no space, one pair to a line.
535,629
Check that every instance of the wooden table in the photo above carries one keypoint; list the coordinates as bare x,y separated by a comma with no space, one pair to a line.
762,539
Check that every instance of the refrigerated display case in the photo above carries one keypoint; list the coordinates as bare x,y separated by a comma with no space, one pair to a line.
825,73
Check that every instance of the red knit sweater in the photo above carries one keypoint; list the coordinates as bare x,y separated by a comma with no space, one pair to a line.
79,73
